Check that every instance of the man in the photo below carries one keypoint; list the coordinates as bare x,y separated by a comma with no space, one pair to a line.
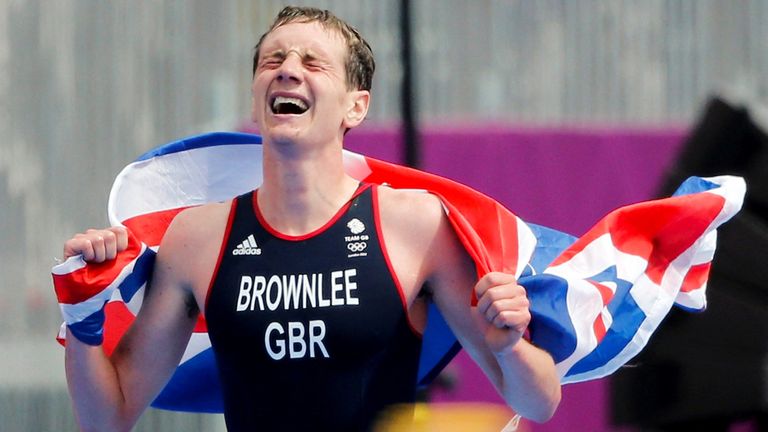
312,286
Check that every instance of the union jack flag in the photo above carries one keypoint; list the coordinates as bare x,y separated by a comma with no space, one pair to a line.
595,300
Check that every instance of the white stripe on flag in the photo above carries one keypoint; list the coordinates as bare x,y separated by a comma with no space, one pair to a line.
234,168
198,343
356,166
72,264
584,303
526,245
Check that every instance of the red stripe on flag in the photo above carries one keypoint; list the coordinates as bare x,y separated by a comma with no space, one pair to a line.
84,283
691,217
605,293
489,230
201,326
119,318
151,227
696,277
599,328
658,231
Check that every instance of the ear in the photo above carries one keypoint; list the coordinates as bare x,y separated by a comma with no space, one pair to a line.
359,101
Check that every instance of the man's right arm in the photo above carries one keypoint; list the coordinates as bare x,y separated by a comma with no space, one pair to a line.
110,393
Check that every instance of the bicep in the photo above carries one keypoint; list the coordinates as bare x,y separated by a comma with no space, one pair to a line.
453,279
150,350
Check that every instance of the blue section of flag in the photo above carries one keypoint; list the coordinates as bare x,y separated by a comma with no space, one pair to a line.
627,319
196,383
90,330
142,270
550,243
695,185
200,141
439,346
550,327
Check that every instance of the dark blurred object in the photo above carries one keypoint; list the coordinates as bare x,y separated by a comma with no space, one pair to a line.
706,371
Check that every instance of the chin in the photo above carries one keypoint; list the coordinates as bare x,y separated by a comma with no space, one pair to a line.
282,136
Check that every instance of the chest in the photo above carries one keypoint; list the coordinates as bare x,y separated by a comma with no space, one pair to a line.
328,295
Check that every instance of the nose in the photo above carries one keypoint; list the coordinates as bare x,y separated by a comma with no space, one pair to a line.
290,68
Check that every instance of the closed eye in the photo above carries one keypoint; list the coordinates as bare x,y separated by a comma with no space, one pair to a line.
312,62
272,59
271,63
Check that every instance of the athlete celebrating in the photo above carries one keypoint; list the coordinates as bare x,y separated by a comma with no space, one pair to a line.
313,286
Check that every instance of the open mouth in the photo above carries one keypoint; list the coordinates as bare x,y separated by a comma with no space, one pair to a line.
288,105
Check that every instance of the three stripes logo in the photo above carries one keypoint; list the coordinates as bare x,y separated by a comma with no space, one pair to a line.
247,247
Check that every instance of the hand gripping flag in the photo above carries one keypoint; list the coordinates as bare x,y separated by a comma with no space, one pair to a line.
595,300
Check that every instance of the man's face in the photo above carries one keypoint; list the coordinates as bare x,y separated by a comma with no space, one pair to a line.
299,89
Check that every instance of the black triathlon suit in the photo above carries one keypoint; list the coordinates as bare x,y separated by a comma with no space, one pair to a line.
310,333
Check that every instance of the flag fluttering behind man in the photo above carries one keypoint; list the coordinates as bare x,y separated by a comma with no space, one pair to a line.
595,300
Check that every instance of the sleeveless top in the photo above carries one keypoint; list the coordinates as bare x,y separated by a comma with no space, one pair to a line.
309,332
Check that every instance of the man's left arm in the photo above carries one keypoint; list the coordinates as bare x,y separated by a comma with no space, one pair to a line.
492,332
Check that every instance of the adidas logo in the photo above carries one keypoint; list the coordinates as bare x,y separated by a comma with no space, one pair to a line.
247,247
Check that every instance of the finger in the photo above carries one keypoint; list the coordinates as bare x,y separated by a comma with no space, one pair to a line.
500,292
99,251
69,249
121,236
78,245
491,280
516,320
86,249
512,305
110,245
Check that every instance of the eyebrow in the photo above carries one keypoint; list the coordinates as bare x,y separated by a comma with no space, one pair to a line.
275,53
308,55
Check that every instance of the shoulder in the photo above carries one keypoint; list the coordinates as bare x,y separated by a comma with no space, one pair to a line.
193,239
412,208
197,224
417,221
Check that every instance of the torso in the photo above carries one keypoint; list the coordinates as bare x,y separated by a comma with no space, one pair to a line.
336,343
407,218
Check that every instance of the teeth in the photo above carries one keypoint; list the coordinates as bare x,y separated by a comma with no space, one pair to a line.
284,100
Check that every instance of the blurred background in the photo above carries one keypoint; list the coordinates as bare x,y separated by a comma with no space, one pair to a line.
561,109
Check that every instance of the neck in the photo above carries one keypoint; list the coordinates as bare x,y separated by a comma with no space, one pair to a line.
302,188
